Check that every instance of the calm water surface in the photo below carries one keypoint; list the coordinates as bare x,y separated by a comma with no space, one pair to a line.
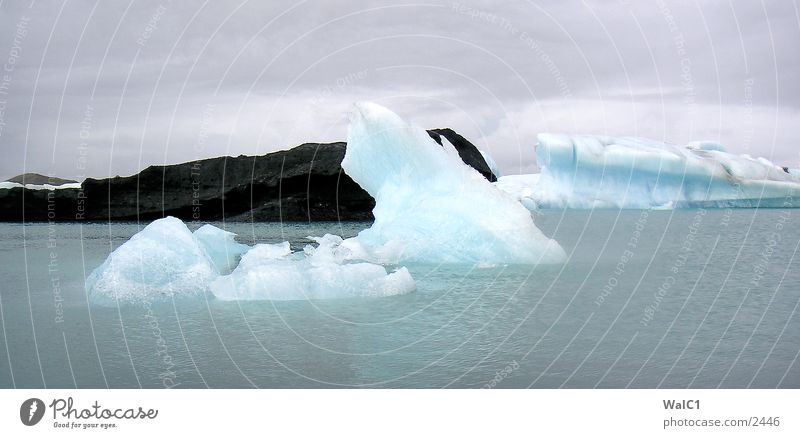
685,298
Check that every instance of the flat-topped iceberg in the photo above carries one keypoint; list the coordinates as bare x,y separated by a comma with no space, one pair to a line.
584,171
430,206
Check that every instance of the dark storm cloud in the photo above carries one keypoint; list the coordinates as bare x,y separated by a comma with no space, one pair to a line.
104,88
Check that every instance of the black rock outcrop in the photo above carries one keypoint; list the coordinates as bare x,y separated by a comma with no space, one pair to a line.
466,150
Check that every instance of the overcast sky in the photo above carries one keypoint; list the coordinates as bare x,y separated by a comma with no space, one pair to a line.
92,88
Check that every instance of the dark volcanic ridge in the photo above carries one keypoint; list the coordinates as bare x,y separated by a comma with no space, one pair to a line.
305,183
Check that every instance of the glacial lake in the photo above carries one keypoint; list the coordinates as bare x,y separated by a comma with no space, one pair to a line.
673,299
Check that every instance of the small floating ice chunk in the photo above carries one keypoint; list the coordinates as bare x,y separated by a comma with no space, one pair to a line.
272,272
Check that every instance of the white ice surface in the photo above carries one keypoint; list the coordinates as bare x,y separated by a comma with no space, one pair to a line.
11,185
430,206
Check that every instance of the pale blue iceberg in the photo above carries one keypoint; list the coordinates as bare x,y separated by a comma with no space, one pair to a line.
161,261
166,260
584,171
430,206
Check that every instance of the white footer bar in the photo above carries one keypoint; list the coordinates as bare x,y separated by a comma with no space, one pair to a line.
402,413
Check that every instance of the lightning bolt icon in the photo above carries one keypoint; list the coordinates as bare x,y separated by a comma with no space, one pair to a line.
34,408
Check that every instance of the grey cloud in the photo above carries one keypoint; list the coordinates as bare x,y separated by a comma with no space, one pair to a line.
278,73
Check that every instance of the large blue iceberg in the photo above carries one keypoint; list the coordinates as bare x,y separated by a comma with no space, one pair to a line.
585,171
430,206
